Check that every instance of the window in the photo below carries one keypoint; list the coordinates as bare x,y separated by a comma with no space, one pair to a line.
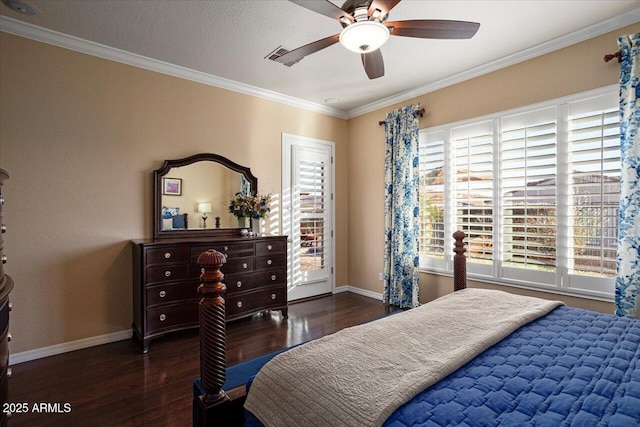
432,231
528,163
312,215
535,190
473,189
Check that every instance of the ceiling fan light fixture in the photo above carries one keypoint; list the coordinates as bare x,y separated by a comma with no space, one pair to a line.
364,36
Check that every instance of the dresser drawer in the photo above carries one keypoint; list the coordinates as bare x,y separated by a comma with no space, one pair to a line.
4,353
172,316
4,316
245,282
172,292
275,247
169,273
243,265
261,299
271,261
232,250
167,255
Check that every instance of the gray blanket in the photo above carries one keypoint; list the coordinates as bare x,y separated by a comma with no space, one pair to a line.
360,375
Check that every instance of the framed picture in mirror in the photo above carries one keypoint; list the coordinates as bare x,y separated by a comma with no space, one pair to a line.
172,186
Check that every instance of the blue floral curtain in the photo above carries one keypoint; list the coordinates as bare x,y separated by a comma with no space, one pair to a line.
401,210
245,186
628,264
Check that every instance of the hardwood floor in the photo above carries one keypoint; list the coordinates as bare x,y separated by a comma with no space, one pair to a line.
114,385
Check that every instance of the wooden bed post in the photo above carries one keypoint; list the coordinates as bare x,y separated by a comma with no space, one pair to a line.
459,262
213,361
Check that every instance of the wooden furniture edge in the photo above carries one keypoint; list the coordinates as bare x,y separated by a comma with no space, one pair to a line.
226,408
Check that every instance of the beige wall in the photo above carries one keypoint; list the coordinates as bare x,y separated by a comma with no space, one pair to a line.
80,137
571,70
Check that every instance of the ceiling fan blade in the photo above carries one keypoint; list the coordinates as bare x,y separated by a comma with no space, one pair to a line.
382,5
433,29
373,64
325,8
308,49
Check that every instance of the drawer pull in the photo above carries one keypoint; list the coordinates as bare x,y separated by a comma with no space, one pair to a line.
202,270
244,265
3,227
167,273
273,277
226,248
10,306
9,337
269,247
9,372
163,317
163,294
239,304
4,259
167,255
273,296
269,262
239,284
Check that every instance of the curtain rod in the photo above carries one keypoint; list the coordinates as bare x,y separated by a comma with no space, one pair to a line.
420,113
610,56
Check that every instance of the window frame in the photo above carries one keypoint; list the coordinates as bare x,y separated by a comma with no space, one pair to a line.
561,281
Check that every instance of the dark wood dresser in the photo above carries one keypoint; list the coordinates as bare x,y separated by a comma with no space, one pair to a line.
166,279
6,285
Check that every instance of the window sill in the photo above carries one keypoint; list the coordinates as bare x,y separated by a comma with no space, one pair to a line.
529,286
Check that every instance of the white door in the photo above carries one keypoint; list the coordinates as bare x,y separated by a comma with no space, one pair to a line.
308,215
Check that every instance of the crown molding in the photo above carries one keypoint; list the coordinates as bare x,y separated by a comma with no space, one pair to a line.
33,32
55,38
586,33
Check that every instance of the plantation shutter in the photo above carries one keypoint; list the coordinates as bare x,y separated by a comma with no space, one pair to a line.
432,198
473,188
312,215
594,136
529,192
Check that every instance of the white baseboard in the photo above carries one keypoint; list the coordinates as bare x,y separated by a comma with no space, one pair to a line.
359,291
39,353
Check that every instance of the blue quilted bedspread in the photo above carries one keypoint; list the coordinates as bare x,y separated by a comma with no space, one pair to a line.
571,367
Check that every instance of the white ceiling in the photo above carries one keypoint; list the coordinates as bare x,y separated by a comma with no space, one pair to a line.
224,42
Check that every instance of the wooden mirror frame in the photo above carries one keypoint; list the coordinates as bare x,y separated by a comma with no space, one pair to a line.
158,174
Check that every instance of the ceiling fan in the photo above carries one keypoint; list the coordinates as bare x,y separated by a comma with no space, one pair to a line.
366,29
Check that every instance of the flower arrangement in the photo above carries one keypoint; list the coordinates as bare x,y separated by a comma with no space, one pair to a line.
250,206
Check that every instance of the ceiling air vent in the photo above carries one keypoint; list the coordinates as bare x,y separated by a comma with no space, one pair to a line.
277,53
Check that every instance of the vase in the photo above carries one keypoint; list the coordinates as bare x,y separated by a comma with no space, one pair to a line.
244,222
256,226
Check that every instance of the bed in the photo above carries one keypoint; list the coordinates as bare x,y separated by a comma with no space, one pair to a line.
542,364
172,219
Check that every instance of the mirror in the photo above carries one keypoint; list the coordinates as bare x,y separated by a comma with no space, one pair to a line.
187,189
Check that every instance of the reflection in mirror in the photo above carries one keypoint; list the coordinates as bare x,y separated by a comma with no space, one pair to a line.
203,182
192,196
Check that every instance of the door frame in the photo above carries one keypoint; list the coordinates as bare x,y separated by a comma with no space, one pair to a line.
288,142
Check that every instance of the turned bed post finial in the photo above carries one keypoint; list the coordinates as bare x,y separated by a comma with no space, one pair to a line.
459,262
213,363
